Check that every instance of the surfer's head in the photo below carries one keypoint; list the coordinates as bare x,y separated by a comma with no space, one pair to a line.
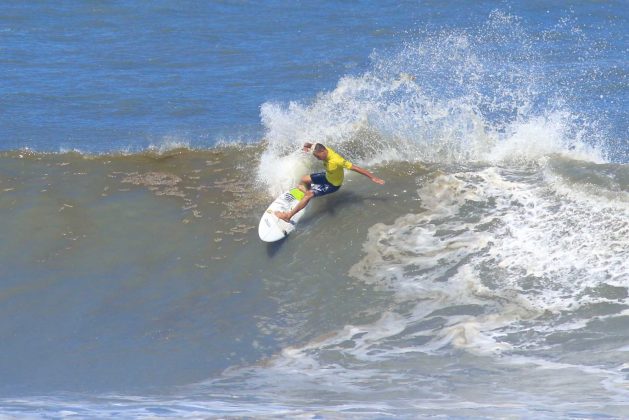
320,152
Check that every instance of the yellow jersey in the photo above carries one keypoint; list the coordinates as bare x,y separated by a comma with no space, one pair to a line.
334,165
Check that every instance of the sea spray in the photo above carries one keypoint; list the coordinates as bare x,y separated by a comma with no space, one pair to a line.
477,95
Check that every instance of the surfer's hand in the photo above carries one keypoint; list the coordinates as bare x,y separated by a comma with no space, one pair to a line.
307,147
377,180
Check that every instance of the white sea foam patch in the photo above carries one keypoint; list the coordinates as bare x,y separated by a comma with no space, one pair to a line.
503,242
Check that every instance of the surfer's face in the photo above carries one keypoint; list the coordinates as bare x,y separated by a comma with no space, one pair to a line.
321,155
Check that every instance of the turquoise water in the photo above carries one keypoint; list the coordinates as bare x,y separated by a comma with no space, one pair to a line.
141,143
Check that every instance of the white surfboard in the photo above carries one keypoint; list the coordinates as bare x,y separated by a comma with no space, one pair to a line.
271,228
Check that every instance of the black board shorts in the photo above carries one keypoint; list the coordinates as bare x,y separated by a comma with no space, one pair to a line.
321,186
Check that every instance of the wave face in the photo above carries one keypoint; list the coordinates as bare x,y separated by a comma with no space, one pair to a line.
487,278
458,290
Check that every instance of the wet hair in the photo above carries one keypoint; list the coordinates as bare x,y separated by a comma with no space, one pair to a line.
318,148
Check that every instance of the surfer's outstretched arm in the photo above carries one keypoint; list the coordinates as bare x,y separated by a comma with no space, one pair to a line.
368,174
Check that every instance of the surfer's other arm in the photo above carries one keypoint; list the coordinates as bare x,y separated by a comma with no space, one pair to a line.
368,174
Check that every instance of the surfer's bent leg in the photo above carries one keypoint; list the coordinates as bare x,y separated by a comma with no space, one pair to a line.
286,215
305,183
318,186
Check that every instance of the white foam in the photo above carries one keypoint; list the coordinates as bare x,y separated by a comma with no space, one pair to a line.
440,99
279,173
169,143
543,253
537,137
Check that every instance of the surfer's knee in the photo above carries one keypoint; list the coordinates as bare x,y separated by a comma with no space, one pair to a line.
306,180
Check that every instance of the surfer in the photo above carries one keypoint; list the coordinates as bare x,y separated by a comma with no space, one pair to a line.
322,183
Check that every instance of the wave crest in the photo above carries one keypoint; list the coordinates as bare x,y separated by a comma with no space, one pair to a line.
452,96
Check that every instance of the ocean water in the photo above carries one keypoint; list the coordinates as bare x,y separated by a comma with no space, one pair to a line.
141,143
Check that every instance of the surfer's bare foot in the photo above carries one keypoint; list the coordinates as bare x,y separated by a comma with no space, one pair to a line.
283,215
